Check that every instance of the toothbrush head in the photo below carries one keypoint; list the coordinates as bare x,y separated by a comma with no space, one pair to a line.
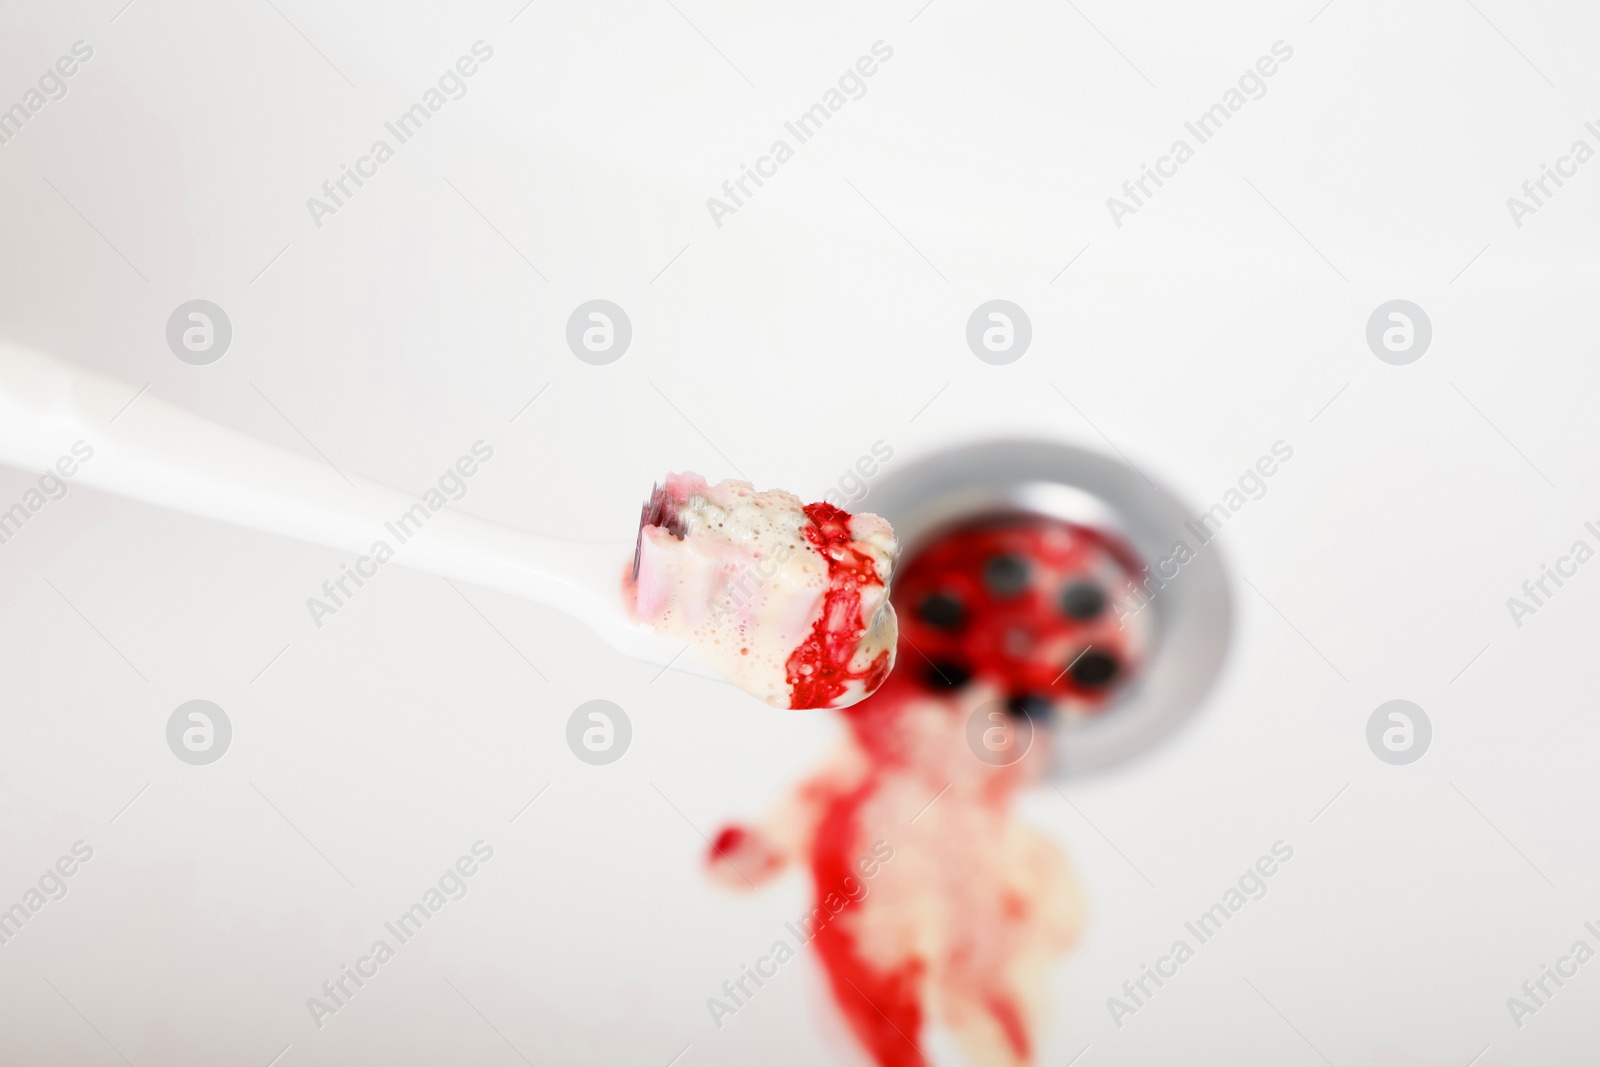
789,601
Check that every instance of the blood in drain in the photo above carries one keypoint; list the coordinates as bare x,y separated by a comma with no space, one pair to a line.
931,902
1013,602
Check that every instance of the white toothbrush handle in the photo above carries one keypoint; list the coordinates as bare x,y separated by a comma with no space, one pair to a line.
161,454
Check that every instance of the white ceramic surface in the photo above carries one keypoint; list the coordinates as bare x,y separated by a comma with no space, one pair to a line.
826,314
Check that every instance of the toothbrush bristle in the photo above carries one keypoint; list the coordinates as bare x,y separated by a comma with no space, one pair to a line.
660,509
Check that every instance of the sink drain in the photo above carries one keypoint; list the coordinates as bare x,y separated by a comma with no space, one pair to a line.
1051,574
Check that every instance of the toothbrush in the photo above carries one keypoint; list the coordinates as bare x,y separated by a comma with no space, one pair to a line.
158,453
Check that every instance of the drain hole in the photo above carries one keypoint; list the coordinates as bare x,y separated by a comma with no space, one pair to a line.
1083,600
1030,706
1094,669
1006,576
946,674
941,611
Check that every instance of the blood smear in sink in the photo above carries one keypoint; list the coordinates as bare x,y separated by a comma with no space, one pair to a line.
933,904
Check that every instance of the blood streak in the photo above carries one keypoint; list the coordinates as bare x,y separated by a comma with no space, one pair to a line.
819,669
961,927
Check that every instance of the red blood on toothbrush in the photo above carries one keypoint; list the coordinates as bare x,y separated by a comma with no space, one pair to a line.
820,670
